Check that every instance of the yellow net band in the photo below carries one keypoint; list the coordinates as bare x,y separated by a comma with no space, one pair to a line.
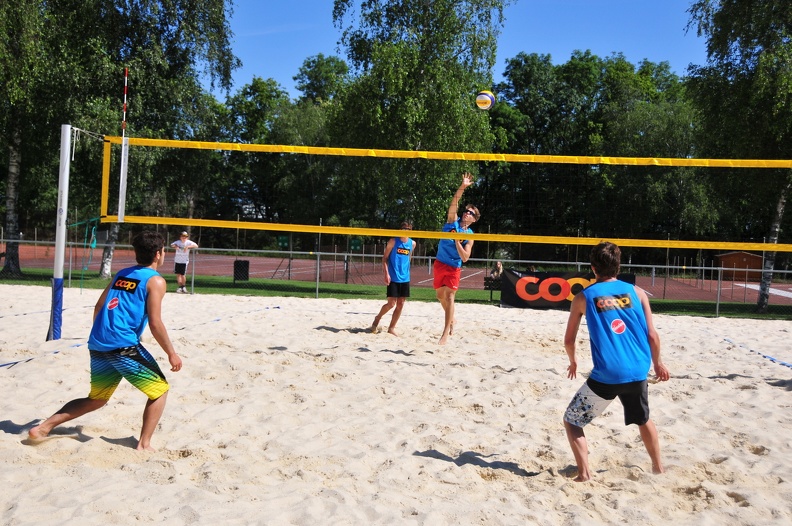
456,156
429,234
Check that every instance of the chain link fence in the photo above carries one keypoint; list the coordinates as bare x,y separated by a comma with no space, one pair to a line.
356,271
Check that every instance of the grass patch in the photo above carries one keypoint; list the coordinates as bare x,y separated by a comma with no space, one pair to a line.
307,289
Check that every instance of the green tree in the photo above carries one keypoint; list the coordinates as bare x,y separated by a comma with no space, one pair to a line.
49,76
253,110
744,98
304,185
418,70
22,74
644,113
320,78
556,115
594,106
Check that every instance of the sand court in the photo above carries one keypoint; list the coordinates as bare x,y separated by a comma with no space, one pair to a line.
288,411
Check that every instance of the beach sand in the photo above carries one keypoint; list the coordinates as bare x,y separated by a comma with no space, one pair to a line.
288,411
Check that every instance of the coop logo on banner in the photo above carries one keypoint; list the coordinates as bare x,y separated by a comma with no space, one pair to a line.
547,290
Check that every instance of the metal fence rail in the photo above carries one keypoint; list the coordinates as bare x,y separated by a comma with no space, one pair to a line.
325,270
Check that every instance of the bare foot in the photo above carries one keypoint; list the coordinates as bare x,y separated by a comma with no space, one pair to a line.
658,470
374,329
140,447
36,433
392,331
581,479
443,340
451,330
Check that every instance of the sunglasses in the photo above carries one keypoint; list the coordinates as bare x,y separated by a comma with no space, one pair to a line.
471,212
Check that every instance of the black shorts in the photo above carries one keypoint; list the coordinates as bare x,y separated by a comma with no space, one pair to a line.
180,268
399,290
634,396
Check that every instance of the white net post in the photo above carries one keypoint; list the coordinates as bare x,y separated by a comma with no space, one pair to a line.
122,187
54,332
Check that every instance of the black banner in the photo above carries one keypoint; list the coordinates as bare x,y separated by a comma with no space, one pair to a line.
546,290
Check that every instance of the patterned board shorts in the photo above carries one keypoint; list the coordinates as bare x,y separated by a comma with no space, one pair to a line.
587,405
133,363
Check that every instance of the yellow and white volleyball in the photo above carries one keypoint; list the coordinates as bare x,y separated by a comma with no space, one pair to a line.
485,100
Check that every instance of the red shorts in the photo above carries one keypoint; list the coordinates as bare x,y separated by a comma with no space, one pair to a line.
446,275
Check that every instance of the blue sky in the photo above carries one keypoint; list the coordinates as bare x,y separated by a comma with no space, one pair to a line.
273,38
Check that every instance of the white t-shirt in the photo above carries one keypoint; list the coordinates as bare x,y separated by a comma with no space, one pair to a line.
183,250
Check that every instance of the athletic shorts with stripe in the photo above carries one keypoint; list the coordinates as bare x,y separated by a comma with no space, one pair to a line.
133,363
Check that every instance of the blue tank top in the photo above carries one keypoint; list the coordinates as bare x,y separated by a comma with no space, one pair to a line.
399,261
618,333
123,317
446,249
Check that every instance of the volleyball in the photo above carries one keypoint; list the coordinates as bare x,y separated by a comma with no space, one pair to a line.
485,100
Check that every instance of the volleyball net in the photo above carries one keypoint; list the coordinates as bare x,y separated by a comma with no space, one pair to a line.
128,144
533,228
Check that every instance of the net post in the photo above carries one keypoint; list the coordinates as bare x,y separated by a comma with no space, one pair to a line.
54,332
122,187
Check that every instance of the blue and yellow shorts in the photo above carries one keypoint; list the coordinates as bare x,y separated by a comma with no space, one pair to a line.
133,363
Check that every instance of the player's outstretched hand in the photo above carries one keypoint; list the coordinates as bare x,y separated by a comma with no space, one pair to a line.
467,179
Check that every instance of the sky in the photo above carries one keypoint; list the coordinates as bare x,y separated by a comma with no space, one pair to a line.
273,38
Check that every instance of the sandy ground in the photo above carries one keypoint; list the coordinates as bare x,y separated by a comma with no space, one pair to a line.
289,411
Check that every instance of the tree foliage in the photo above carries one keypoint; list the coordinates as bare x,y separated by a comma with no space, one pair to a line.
62,62
743,95
419,69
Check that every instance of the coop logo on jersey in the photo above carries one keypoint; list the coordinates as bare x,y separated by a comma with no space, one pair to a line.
403,251
618,326
617,302
126,284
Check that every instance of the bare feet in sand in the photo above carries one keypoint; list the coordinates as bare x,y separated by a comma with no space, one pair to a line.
444,337
36,433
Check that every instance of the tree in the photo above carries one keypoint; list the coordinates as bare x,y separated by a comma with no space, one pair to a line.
49,76
417,72
254,110
21,75
744,98
599,107
320,78
644,113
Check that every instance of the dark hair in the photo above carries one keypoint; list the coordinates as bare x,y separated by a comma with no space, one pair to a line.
606,259
473,209
147,244
406,222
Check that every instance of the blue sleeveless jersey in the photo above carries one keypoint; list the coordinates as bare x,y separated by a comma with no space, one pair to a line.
399,261
123,317
446,249
618,333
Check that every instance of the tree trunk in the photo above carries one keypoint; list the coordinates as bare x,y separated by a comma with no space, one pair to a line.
106,271
769,261
11,269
